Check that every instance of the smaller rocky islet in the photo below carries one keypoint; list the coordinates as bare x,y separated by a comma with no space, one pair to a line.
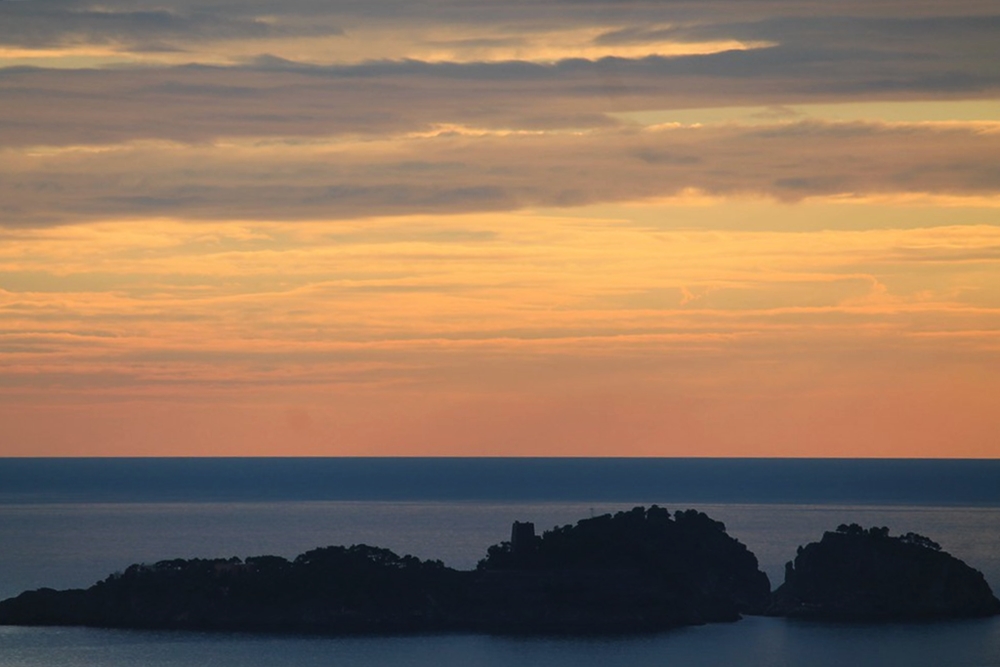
641,570
861,574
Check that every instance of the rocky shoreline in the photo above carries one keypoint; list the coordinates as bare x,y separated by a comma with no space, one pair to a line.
643,570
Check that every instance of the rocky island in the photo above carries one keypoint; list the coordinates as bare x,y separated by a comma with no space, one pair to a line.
641,570
860,574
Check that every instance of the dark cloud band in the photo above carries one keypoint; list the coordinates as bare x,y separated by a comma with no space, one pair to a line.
456,173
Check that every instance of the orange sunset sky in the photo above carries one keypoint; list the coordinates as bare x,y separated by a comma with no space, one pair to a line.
460,227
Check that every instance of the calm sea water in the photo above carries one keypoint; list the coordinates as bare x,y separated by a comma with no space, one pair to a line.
69,523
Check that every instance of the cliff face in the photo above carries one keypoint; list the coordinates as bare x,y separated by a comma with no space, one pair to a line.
858,574
635,571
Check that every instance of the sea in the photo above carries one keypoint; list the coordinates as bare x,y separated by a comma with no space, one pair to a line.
67,523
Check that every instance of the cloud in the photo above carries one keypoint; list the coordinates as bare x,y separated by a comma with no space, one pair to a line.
276,97
394,217
454,172
46,24
418,321
950,31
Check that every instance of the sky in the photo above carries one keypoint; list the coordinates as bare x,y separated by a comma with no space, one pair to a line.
500,228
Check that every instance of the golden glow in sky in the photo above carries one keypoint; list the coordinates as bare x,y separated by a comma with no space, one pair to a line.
705,229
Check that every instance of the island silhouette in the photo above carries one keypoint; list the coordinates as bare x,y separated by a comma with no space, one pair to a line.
863,574
642,570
